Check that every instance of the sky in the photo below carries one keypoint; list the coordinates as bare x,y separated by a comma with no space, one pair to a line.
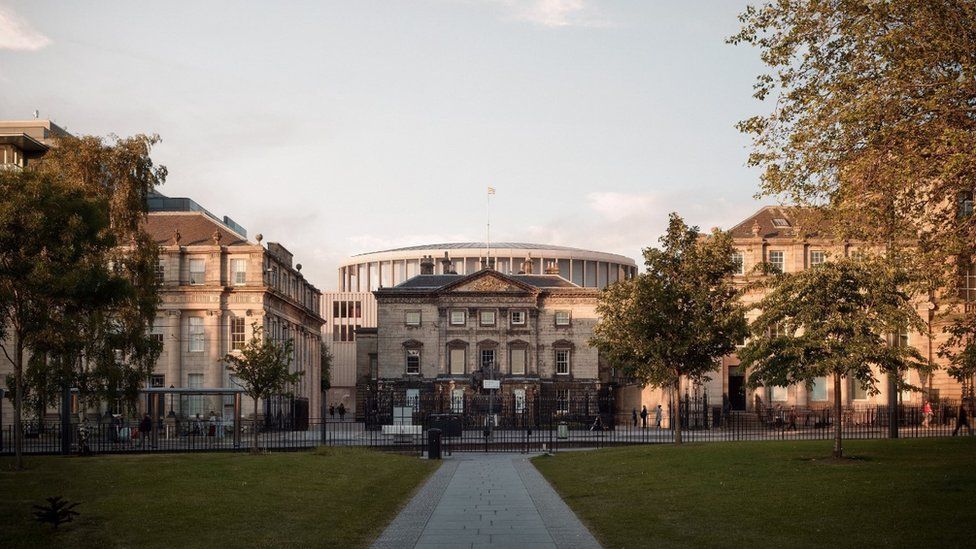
344,127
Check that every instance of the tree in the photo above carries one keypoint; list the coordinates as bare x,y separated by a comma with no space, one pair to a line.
960,348
677,319
262,368
830,321
50,240
326,362
872,123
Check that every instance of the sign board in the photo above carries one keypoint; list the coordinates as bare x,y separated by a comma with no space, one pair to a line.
492,384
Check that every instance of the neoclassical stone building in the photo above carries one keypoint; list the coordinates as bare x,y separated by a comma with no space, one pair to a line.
216,284
444,333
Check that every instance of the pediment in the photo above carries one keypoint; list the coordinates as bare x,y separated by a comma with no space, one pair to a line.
489,282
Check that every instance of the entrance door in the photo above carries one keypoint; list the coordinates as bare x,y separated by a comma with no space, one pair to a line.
737,389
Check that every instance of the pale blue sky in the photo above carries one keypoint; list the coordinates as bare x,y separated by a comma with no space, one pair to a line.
343,127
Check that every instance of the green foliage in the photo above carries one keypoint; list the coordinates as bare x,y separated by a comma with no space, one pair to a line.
57,511
960,348
680,316
326,356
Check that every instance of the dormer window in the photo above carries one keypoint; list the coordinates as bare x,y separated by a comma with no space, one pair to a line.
965,205
781,223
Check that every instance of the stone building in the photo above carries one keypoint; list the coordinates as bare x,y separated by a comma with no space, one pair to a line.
353,306
775,235
216,285
445,333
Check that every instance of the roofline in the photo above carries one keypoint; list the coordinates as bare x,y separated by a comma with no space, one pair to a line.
541,252
209,218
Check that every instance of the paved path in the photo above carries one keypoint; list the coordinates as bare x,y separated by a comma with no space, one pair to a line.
486,500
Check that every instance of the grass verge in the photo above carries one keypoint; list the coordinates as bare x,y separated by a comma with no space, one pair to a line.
327,498
897,493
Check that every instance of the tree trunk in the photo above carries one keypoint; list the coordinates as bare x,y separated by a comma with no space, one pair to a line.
254,428
677,420
18,402
838,448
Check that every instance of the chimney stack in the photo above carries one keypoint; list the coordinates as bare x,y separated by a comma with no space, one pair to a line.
427,265
552,268
447,266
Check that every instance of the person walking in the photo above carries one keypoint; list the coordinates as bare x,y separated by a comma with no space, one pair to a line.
657,416
926,414
791,419
145,428
962,418
633,414
332,411
342,412
643,416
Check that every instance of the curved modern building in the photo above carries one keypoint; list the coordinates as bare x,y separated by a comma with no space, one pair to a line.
353,306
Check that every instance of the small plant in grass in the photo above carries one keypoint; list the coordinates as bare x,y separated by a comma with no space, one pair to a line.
57,511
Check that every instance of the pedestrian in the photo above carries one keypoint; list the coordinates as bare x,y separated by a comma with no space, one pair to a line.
633,414
926,414
342,412
116,428
332,411
791,419
145,427
962,418
643,416
657,416
212,424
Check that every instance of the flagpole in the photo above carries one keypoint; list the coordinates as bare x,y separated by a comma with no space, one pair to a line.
488,228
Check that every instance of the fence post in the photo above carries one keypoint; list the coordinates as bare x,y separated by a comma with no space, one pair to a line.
65,420
892,407
237,421
1,419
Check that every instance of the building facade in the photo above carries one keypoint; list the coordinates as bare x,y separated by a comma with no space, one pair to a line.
216,286
353,306
774,235
444,334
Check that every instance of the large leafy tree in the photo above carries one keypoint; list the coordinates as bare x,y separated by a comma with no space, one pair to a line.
51,241
872,123
262,368
830,321
678,318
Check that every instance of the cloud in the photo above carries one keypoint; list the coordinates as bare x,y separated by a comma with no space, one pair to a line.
554,13
17,34
619,206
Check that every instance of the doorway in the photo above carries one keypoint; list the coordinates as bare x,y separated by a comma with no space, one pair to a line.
737,389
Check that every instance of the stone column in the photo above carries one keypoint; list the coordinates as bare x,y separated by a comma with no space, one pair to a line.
174,348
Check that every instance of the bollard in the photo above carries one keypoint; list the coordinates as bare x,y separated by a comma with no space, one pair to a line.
433,444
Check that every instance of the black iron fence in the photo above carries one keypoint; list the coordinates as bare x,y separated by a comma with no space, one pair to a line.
507,423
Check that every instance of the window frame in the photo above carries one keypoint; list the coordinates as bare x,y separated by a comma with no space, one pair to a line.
522,312
740,263
234,272
494,317
450,360
238,339
567,361
569,317
196,337
780,267
406,318
202,273
464,317
408,354
525,360
823,257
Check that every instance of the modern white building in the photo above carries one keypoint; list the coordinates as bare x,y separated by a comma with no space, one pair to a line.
353,305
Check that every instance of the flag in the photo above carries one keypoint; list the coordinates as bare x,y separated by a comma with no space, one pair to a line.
491,190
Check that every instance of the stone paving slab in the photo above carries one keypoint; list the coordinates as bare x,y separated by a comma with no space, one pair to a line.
486,500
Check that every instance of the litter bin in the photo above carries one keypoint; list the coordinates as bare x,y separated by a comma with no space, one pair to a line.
433,444
562,430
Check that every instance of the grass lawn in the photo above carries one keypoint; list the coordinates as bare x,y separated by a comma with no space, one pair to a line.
897,493
326,498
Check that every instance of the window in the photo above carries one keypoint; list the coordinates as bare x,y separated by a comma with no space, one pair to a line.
517,317
562,362
562,318
239,269
518,361
459,317
487,360
457,401
967,282
817,257
965,205
197,271
562,401
900,338
160,271
519,395
157,380
858,391
486,318
413,361
413,318
237,333
778,393
457,361
413,398
739,263
196,333
195,381
780,223
819,389
156,336
776,261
